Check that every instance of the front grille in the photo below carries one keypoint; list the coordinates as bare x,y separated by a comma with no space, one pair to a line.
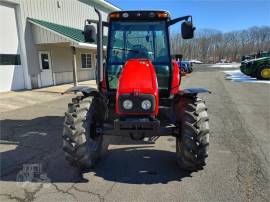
137,125
137,100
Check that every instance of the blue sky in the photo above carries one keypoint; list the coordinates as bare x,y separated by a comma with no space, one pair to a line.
215,14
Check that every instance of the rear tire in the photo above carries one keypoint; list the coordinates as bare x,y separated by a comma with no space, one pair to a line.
193,141
81,144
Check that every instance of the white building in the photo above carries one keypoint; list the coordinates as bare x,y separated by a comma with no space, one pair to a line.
38,39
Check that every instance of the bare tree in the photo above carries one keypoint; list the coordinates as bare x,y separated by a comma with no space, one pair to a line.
211,45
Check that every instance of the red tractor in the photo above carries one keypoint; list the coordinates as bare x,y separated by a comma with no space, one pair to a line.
138,92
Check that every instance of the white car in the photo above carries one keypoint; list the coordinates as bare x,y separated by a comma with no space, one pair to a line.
196,61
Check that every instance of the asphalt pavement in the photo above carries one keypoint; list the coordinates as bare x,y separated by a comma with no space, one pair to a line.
33,167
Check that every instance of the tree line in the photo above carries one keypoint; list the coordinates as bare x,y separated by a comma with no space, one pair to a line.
211,46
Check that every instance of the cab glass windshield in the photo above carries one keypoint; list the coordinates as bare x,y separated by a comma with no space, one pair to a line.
130,40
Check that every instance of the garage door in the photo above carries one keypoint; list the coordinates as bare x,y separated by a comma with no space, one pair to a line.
11,71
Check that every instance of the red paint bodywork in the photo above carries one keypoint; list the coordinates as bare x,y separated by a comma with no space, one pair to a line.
139,77
176,80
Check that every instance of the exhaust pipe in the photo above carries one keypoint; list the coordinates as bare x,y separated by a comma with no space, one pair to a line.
99,74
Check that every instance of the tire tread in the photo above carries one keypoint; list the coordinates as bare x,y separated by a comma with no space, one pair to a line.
192,144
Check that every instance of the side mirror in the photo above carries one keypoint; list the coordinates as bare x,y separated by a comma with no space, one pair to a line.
187,30
89,32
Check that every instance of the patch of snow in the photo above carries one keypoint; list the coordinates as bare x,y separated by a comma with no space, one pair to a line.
226,65
238,76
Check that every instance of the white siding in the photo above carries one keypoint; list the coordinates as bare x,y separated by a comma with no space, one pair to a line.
43,36
63,77
67,77
71,12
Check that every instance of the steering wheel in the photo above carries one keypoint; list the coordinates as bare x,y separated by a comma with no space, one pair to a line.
138,51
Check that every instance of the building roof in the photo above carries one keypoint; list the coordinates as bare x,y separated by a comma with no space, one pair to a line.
107,4
69,32
72,34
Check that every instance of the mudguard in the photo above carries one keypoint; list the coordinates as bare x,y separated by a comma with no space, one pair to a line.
85,90
192,91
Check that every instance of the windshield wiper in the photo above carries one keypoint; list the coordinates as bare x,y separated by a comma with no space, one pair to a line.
123,49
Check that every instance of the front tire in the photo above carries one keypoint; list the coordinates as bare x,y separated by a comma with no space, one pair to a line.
81,144
193,141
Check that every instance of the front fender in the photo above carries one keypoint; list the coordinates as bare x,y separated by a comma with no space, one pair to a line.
85,90
189,91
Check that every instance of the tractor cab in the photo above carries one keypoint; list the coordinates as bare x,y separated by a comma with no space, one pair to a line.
139,35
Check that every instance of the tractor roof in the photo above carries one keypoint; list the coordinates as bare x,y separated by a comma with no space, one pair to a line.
139,15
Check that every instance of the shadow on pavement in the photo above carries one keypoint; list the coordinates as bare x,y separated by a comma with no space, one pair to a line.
140,165
35,146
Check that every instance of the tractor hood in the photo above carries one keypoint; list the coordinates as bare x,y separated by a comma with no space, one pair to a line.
138,75
137,82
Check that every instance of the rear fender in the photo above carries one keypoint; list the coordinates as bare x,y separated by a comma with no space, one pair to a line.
85,90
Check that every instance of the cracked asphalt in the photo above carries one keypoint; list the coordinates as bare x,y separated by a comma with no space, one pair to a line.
238,166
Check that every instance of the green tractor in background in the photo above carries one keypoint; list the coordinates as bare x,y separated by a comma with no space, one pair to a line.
257,65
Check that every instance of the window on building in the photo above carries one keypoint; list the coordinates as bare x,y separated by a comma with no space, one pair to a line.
45,61
86,60
10,59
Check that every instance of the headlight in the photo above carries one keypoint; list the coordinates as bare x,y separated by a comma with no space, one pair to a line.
146,105
127,104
